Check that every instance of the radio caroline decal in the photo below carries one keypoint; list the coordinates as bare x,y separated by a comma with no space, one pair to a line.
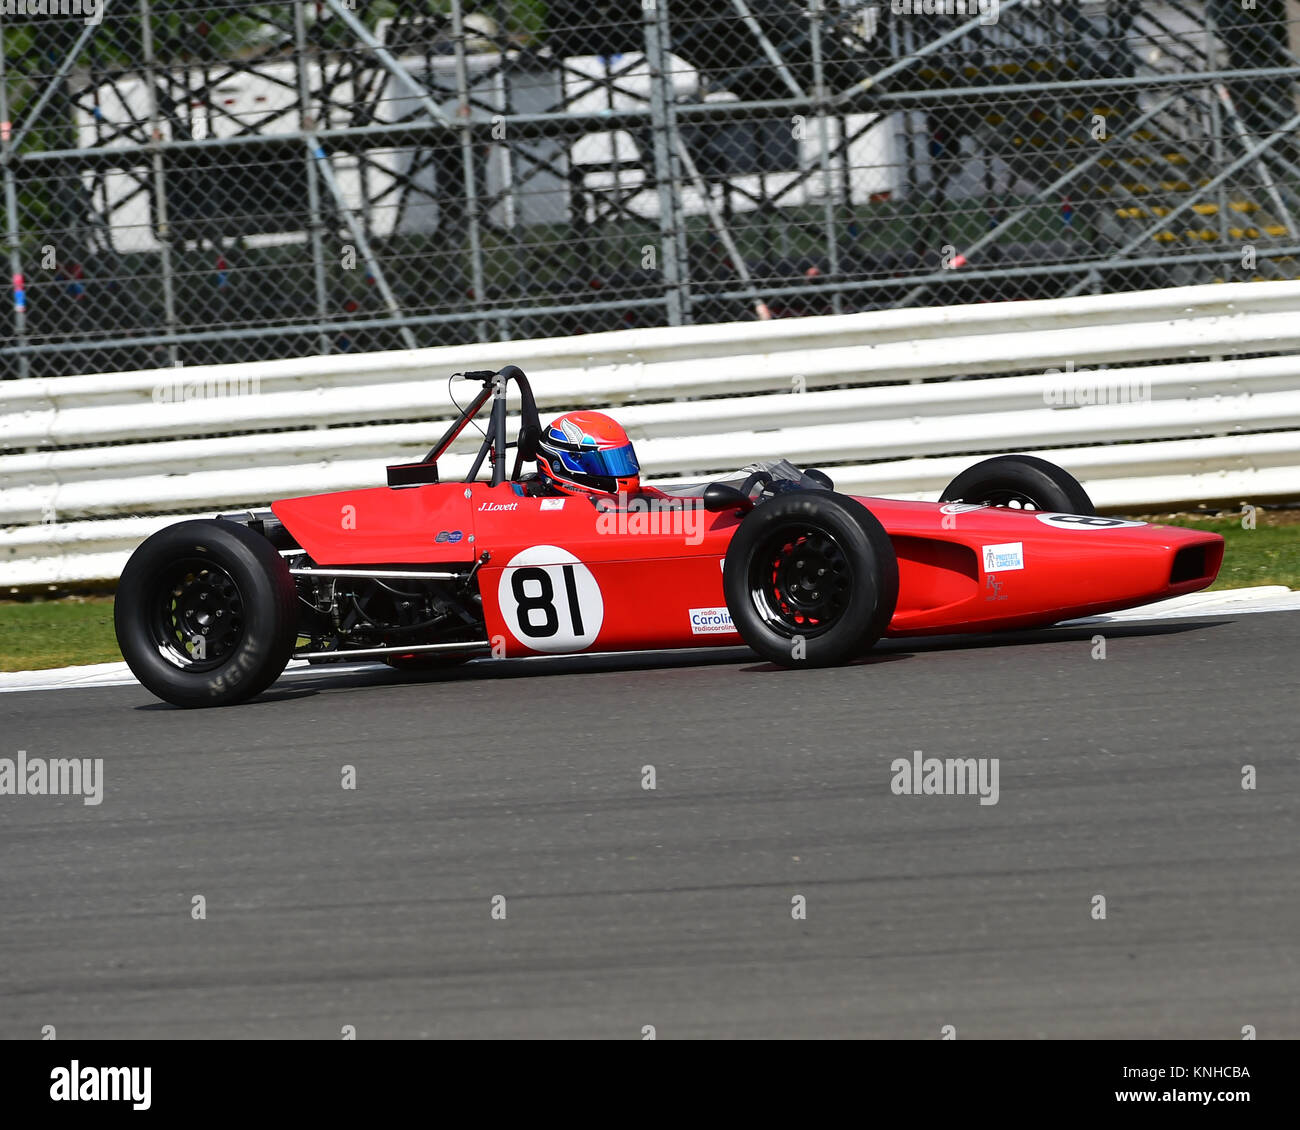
711,622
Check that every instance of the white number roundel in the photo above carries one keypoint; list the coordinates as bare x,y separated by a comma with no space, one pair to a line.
1083,521
550,601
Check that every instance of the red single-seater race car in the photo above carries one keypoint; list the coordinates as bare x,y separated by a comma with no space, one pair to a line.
425,573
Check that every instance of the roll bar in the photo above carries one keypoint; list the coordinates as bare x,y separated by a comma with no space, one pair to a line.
496,388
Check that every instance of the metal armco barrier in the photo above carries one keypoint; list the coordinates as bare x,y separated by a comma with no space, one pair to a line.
1151,398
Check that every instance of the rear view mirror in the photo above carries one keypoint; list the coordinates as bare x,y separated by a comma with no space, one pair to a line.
412,474
722,496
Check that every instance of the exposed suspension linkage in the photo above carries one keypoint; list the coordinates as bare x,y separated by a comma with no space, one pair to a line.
376,612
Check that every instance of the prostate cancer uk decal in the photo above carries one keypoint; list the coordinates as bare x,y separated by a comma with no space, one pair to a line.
1003,558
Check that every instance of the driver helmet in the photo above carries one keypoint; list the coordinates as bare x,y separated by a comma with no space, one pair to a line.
588,453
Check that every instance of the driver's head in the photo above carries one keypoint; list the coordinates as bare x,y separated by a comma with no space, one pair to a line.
588,453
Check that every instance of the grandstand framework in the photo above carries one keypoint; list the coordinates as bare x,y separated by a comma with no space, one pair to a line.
185,183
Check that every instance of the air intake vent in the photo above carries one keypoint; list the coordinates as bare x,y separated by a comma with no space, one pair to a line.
1189,565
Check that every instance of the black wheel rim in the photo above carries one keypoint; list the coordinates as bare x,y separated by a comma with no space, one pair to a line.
800,581
198,615
1010,499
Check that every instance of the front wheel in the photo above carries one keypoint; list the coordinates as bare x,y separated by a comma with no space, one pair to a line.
1020,482
810,579
206,613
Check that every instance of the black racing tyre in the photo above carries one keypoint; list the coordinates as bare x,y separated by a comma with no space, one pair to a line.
810,579
1020,482
206,613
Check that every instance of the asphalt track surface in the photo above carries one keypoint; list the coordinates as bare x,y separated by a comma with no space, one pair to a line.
673,908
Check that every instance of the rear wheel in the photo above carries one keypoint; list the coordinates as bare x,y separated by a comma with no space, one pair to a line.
206,613
810,579
1020,482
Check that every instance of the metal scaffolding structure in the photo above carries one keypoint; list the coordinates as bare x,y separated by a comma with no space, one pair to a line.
186,183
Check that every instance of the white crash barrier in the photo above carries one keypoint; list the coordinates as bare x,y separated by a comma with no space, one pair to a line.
1141,395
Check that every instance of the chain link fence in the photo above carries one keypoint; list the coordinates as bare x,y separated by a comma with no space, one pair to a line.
187,183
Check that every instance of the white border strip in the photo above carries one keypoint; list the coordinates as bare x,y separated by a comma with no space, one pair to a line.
1263,598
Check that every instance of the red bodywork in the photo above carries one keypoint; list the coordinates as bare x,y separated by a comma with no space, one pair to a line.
561,577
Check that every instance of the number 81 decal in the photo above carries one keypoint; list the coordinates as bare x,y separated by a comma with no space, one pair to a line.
1083,521
550,600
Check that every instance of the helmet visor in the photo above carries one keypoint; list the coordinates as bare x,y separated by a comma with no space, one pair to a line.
613,462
